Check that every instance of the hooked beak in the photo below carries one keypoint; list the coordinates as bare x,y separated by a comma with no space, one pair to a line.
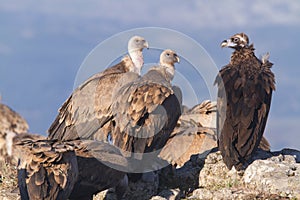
177,59
227,43
146,45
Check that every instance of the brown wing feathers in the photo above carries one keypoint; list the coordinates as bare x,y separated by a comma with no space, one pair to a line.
51,169
99,166
146,110
47,169
84,113
138,110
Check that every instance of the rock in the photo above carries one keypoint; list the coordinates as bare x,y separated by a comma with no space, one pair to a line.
184,178
158,198
109,194
171,194
223,193
292,152
215,174
271,177
276,175
8,182
144,188
226,193
202,193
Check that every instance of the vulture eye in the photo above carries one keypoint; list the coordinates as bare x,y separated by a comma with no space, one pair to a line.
168,54
136,40
236,39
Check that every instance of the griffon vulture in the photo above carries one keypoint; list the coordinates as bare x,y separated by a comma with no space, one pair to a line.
146,110
85,114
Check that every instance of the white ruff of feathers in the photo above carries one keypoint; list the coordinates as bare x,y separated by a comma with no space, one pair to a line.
9,142
170,70
137,59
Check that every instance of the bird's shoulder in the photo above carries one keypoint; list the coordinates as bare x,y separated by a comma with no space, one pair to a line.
93,96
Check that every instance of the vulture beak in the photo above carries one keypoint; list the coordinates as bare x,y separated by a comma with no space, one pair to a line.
177,59
224,43
146,45
227,43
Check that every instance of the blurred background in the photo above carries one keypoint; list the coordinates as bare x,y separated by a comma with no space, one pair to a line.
43,44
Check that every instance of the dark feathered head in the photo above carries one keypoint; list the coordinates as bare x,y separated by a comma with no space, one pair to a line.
236,41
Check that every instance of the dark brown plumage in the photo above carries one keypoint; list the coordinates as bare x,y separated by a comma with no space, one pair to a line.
245,89
101,166
146,110
47,169
86,113
77,169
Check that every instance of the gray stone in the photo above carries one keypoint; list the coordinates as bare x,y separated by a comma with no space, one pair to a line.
171,194
272,177
276,175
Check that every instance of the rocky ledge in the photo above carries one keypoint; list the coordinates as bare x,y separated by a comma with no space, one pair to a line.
272,175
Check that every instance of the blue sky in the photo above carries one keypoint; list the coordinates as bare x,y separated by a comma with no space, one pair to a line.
43,44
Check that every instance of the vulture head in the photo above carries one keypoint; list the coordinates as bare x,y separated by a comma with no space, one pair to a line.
236,41
136,44
167,59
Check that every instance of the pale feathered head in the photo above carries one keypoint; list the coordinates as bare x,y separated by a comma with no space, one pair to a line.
137,43
167,60
169,57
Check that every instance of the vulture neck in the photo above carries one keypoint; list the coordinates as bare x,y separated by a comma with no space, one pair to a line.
242,54
9,142
137,59
169,71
